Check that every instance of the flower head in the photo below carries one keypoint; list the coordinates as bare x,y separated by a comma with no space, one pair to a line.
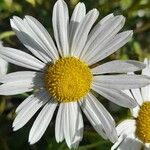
62,73
134,133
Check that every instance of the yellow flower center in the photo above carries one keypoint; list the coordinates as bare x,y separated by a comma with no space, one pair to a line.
69,79
143,123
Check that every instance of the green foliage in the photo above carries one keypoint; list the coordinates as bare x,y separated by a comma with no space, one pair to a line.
137,14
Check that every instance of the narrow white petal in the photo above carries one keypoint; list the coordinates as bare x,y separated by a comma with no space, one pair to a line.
118,66
102,34
59,134
79,131
82,32
77,15
112,46
18,82
20,76
44,36
146,90
103,20
71,113
16,87
24,103
121,82
3,67
135,110
42,121
128,92
116,96
28,109
20,58
67,120
29,38
60,26
105,119
100,23
93,119
137,95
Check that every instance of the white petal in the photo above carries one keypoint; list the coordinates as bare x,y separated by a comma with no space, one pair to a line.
146,90
137,95
118,66
115,96
77,15
42,121
71,113
112,46
103,21
24,103
94,31
29,38
44,36
92,105
3,67
20,76
59,134
146,71
20,58
128,92
121,82
27,110
128,124
135,111
79,131
102,34
100,23
60,26
82,32
16,87
93,119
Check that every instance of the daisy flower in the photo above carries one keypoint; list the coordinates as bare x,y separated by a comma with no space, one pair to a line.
134,133
62,74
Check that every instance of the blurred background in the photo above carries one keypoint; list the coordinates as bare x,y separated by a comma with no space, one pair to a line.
137,13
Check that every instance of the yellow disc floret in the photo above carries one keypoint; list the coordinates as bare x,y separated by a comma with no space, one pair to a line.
69,79
143,123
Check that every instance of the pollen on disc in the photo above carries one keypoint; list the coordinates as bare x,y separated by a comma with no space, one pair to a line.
143,123
69,79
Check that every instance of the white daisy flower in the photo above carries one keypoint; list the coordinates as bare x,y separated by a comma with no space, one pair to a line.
3,64
63,74
135,133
